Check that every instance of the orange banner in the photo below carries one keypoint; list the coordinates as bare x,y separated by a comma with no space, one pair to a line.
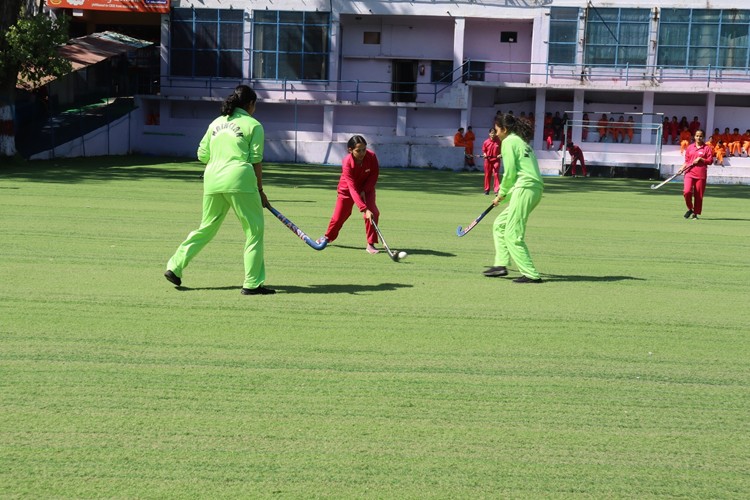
160,6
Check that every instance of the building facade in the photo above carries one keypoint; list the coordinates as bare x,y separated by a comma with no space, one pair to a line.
407,74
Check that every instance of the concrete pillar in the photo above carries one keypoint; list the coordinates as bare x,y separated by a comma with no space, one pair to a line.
578,104
458,60
328,112
401,121
539,107
648,136
709,126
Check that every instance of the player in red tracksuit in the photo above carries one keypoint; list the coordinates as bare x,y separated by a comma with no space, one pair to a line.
576,155
491,153
698,156
359,174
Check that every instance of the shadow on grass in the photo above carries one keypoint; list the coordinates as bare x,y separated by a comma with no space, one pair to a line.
113,168
579,278
411,252
314,289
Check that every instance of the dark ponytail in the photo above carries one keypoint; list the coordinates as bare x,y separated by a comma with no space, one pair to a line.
519,126
242,97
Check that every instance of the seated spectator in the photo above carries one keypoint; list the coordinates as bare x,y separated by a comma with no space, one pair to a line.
585,127
719,151
629,129
612,130
602,126
685,139
735,143
746,142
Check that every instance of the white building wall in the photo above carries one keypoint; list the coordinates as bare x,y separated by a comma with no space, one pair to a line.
303,120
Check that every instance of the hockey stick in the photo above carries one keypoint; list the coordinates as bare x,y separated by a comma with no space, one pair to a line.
670,178
299,232
460,232
395,256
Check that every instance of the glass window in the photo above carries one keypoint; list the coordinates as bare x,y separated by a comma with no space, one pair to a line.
563,35
617,37
703,38
203,40
290,45
441,71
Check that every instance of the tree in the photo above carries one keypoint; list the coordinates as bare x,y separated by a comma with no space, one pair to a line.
28,49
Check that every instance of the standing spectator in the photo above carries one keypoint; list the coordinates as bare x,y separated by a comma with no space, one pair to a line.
491,154
665,128
694,125
469,139
232,150
458,139
557,125
698,156
359,175
522,184
576,155
674,130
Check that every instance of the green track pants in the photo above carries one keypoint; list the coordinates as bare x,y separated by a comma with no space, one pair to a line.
249,210
509,231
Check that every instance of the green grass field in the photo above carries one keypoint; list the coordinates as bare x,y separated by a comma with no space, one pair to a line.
625,375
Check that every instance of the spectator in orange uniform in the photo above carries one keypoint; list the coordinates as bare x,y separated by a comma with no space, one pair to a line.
585,127
601,126
629,129
720,150
746,142
469,139
685,139
735,143
715,138
612,130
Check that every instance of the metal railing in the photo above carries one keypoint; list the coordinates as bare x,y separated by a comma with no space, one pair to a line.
494,72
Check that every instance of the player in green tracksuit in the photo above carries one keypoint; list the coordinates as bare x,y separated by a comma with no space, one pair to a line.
232,150
523,186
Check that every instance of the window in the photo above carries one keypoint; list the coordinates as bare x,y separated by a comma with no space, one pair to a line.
371,38
563,35
206,43
290,45
617,37
441,71
474,71
702,38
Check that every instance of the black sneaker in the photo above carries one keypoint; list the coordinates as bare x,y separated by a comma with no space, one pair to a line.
495,272
261,290
526,279
173,278
695,216
688,214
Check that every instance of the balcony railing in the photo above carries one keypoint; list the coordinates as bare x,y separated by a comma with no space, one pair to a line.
503,73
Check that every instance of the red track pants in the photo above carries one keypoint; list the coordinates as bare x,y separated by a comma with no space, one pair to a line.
693,190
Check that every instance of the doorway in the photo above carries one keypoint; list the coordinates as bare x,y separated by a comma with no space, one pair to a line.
404,86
